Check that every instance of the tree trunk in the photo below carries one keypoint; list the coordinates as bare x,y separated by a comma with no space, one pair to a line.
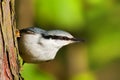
9,64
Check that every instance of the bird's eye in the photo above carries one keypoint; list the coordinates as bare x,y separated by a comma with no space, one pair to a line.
60,37
45,36
66,38
55,37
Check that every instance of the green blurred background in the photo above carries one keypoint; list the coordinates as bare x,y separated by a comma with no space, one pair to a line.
96,21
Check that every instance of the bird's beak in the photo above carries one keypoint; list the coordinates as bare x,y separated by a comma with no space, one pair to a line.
77,40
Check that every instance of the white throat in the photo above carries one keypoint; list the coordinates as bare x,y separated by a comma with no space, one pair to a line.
38,49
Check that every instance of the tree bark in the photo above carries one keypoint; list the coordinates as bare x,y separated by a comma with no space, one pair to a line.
9,64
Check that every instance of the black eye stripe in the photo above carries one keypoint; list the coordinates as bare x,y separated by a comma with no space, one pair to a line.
56,37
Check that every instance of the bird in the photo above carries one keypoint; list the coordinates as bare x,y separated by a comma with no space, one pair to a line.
38,45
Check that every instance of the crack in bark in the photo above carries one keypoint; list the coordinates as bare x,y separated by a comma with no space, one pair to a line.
1,54
2,36
4,50
9,64
1,0
8,59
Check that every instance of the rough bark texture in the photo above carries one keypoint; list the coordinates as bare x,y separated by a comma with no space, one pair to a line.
9,65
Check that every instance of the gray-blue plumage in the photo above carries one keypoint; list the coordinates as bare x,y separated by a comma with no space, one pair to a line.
36,45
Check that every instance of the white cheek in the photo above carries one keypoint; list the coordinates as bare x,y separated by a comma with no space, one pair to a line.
62,42
48,42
